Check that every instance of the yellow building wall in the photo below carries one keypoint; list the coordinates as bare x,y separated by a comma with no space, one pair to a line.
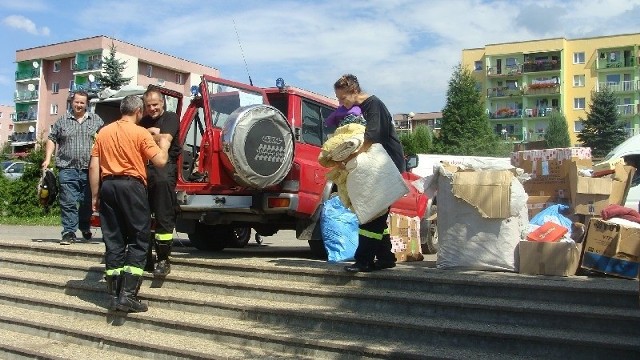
591,47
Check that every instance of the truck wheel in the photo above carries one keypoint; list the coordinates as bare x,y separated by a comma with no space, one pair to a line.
429,231
318,250
206,238
238,237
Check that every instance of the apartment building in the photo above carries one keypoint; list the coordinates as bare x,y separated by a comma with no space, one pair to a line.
406,123
7,115
526,81
46,77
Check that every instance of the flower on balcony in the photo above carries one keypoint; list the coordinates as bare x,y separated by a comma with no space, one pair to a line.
506,112
543,85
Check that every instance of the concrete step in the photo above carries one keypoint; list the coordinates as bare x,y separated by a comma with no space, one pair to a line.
272,298
194,273
19,345
317,322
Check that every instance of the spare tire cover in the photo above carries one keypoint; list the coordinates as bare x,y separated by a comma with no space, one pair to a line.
258,142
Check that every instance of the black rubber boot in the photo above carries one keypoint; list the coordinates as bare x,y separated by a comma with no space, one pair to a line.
114,284
128,300
163,264
151,260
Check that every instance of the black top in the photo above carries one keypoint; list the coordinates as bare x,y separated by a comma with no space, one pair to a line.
168,123
380,129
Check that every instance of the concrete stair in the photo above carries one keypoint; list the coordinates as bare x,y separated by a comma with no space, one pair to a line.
233,306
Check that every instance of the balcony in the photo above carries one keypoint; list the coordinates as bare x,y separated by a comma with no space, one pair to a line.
506,113
541,65
508,70
27,74
503,91
542,89
25,116
538,112
22,138
627,109
94,65
26,95
617,86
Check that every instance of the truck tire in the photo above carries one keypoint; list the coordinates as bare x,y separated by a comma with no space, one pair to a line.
239,237
206,238
258,146
429,230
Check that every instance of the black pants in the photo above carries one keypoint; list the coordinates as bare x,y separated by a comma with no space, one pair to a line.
125,220
162,196
374,242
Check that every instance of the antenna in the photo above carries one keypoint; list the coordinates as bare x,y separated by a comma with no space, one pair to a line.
242,52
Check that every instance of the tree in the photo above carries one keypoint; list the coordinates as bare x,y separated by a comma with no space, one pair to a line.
423,138
603,130
408,142
113,68
465,126
557,135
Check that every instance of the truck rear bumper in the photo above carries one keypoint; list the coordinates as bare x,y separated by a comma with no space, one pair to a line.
267,203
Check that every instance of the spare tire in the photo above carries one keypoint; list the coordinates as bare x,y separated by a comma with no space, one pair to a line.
258,144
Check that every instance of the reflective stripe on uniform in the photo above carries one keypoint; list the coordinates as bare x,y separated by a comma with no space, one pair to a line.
112,272
372,235
164,237
133,270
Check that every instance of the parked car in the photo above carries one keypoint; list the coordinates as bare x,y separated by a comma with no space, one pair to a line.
629,150
13,170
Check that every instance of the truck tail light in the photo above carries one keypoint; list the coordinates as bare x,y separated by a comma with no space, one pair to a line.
278,202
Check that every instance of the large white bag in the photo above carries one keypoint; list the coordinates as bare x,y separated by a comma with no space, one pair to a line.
373,183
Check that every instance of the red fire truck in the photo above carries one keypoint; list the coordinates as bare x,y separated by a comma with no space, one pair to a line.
250,161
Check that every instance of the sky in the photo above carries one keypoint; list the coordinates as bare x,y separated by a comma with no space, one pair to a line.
403,51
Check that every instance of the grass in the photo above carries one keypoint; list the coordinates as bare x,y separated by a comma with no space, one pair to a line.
48,220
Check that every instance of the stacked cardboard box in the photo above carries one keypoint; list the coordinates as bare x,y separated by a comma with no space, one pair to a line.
405,237
548,258
612,248
590,195
550,169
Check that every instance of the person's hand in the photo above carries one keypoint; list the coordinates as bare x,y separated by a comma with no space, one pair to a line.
163,141
45,164
154,131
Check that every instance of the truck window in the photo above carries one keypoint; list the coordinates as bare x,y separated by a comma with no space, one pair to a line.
312,123
225,99
191,146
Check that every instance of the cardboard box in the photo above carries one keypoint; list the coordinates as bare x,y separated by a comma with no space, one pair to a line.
590,195
612,249
488,191
548,232
535,204
405,237
550,169
556,258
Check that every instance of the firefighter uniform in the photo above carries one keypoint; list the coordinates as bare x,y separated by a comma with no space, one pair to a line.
162,194
118,180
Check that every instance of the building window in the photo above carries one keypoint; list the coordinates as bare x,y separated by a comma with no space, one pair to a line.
149,70
55,87
56,66
578,103
578,58
72,63
478,65
0,114
54,109
72,85
578,126
578,80
179,78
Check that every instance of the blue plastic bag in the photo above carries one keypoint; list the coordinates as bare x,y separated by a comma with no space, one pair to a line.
339,228
553,213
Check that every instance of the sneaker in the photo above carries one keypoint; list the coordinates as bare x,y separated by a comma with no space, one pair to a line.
68,238
87,235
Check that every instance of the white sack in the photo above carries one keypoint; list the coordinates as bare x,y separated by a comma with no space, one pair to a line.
373,183
469,241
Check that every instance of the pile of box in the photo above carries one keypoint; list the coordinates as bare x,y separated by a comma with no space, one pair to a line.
405,237
568,176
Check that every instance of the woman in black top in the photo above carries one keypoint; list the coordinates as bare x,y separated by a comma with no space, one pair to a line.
374,240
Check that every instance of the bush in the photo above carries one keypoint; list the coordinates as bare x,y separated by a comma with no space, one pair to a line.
20,197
